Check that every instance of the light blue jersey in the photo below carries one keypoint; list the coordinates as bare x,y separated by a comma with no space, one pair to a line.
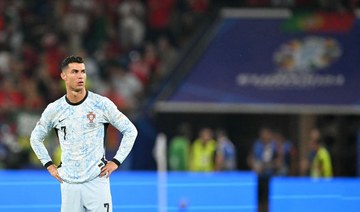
81,130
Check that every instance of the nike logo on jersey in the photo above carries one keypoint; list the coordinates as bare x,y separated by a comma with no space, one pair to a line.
61,120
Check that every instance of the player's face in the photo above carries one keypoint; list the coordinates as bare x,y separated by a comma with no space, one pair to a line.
74,76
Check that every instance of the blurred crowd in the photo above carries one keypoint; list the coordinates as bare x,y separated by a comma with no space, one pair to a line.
128,47
207,152
271,154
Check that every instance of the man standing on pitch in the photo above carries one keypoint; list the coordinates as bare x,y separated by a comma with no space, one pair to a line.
80,119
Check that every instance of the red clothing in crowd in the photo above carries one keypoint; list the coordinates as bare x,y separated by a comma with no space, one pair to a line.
159,13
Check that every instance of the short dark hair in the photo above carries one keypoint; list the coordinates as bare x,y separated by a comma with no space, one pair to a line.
70,59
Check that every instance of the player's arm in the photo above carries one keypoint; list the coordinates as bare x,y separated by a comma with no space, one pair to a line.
37,138
127,129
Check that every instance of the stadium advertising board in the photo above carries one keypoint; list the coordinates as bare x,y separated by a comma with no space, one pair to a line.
280,62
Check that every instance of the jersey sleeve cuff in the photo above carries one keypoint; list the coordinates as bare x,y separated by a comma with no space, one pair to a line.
48,164
116,162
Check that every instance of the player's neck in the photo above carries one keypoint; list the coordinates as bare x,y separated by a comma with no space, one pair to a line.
76,96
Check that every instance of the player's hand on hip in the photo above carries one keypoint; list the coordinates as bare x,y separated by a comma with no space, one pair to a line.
108,169
54,172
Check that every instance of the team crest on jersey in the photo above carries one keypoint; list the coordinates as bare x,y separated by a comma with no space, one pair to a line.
91,116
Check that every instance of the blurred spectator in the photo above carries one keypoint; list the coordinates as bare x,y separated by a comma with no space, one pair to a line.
285,155
318,163
125,83
10,33
179,147
52,54
49,87
10,147
29,58
139,67
97,30
262,160
263,153
197,10
110,49
198,6
225,153
159,17
168,55
111,9
113,94
202,152
152,60
11,98
13,37
151,57
33,100
75,22
186,17
5,60
132,23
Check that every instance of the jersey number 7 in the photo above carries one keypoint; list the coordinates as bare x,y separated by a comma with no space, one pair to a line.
64,130
107,206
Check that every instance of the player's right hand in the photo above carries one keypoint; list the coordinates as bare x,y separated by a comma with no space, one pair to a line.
54,172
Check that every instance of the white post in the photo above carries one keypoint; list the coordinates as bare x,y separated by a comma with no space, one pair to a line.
160,154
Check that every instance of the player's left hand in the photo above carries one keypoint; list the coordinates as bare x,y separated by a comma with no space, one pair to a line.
108,169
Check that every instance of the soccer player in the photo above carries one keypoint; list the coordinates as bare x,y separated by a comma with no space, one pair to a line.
80,119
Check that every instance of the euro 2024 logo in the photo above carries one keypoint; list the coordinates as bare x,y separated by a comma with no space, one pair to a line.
298,64
307,55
